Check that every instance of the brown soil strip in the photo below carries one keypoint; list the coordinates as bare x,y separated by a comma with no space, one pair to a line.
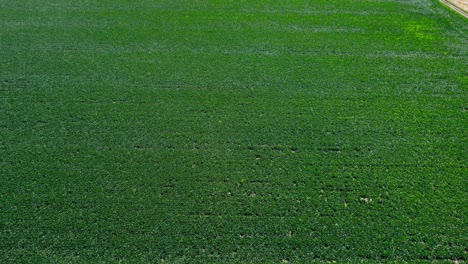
461,6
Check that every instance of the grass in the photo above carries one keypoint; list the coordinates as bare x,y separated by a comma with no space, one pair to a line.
233,131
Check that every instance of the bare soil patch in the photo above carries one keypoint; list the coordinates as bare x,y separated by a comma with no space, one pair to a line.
461,6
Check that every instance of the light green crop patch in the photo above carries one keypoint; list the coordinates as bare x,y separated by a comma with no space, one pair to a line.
420,30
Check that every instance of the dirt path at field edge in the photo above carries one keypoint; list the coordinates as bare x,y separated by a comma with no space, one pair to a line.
461,6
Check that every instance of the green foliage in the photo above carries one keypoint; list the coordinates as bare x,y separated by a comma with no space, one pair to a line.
232,131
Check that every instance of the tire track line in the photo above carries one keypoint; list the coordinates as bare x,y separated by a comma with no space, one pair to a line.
455,7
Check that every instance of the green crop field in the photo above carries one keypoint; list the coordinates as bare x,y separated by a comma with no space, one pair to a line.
233,131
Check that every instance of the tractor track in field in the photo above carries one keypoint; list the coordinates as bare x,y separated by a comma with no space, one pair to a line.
461,6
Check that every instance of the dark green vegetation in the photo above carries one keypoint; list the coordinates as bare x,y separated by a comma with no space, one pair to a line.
233,131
